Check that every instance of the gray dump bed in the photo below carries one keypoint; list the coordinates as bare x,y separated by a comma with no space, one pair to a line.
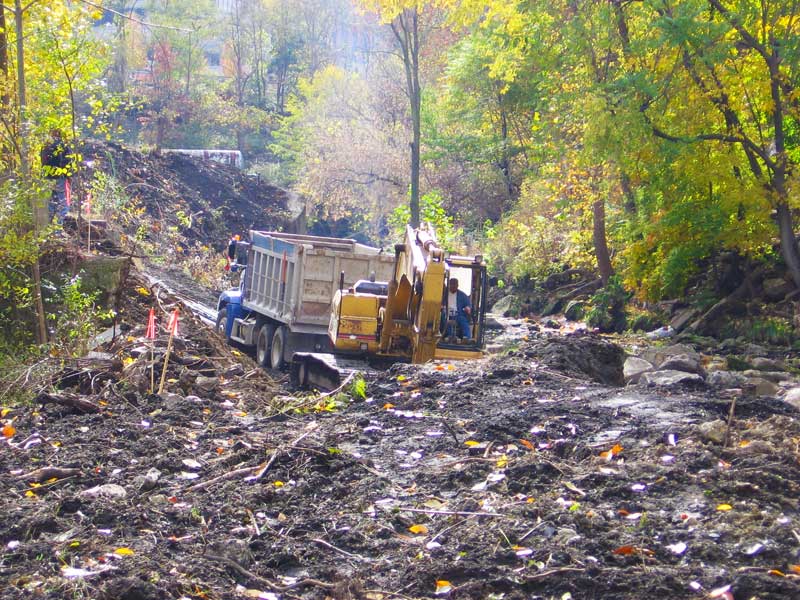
292,278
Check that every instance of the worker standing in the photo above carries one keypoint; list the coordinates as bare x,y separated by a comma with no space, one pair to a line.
57,165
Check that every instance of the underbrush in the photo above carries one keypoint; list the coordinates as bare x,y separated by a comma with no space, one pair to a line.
776,331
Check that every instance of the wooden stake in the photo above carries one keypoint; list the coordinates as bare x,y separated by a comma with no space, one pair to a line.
166,362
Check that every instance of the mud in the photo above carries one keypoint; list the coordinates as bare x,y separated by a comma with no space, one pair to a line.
524,475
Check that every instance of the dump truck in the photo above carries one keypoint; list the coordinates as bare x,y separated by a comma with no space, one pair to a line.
405,318
283,302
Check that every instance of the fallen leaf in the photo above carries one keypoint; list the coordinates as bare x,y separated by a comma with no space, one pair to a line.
625,550
418,529
795,569
401,378
609,454
9,430
472,443
388,406
527,444
278,484
124,551
502,462
744,443
574,488
724,507
777,573
443,586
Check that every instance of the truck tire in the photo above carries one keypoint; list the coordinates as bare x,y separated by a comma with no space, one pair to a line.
222,322
277,349
263,345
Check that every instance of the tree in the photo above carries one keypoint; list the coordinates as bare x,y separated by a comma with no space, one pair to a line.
403,18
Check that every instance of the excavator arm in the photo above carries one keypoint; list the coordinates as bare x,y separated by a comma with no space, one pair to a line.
414,301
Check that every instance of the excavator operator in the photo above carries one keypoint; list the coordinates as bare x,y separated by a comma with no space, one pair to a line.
456,307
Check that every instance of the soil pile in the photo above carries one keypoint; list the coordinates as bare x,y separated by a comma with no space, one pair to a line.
204,200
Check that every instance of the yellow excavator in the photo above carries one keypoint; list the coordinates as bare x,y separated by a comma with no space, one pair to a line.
406,319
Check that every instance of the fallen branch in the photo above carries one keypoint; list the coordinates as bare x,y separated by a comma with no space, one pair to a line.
69,400
266,582
545,574
339,550
451,512
45,473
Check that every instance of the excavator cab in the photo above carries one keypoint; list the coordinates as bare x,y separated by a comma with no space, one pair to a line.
470,272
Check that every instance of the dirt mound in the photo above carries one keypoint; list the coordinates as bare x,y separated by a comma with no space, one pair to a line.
205,201
579,354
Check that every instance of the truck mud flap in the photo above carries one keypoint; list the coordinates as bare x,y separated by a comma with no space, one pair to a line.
325,372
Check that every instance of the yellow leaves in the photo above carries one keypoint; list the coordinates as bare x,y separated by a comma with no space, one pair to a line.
418,529
124,551
4,412
278,484
724,507
471,443
143,291
502,462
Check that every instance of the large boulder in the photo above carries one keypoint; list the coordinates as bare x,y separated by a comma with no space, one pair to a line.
776,289
634,368
792,397
657,355
726,379
507,306
670,378
683,362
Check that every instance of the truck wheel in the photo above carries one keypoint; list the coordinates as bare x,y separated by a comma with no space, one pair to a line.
222,322
263,345
278,346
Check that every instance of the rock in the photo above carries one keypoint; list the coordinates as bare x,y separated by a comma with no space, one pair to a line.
767,364
792,397
762,387
682,318
669,378
726,379
575,310
773,376
579,354
729,345
776,289
656,356
172,401
683,362
107,490
757,447
150,480
508,306
634,368
713,431
236,370
753,350
206,384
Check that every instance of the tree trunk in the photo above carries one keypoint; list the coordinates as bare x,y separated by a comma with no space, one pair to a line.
600,242
4,98
39,219
789,251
